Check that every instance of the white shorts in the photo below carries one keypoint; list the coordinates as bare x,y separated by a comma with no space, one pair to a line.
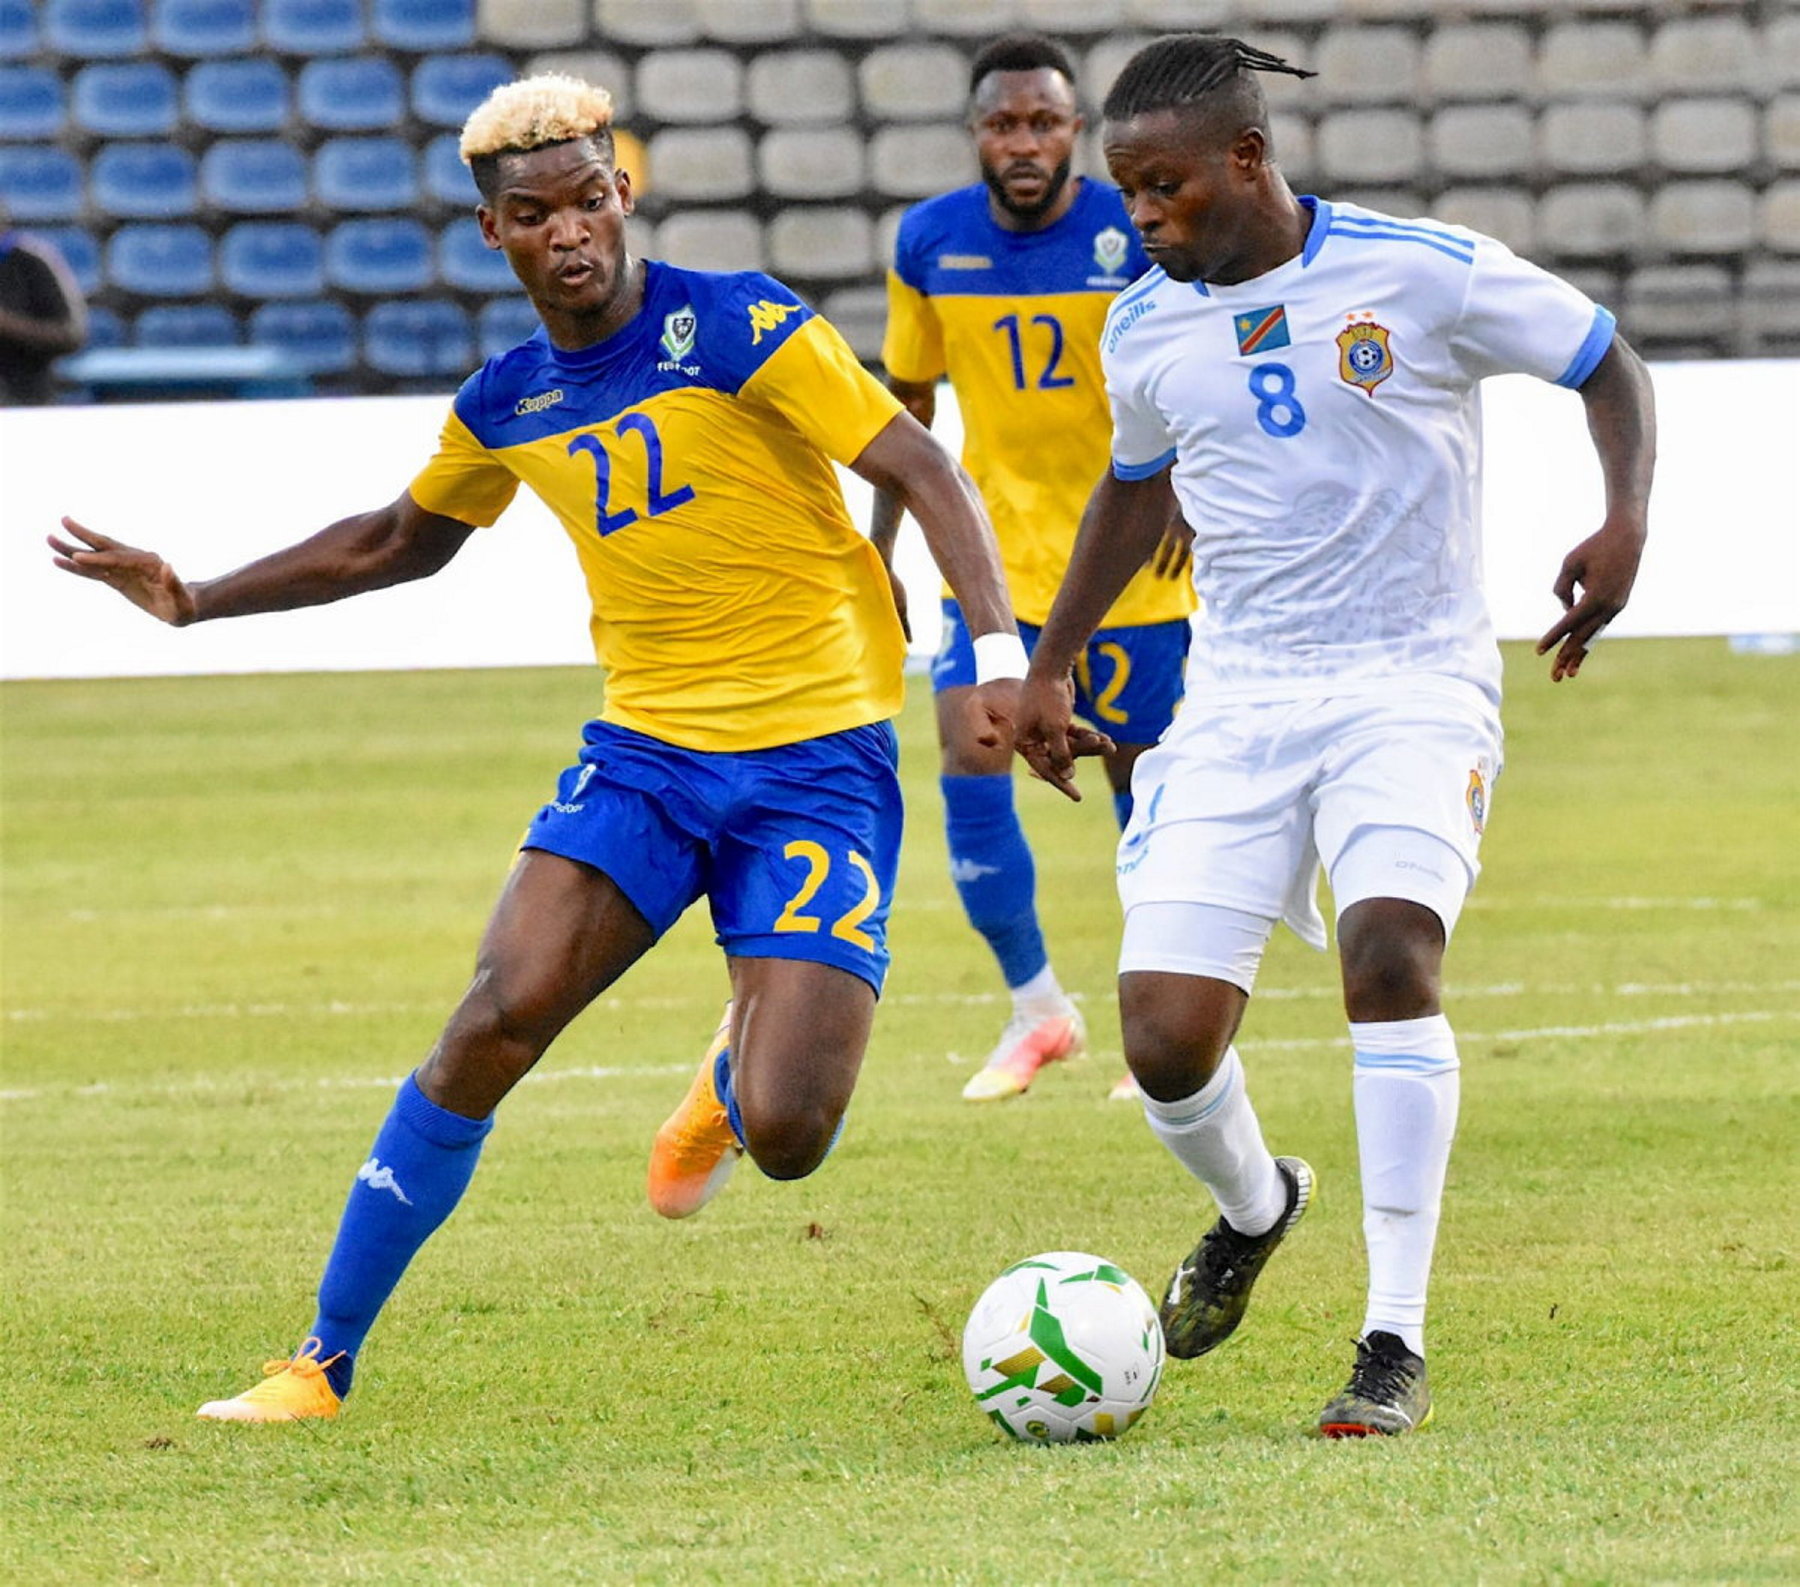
1239,805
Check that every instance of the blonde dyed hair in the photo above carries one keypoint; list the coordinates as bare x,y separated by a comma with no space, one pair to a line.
549,108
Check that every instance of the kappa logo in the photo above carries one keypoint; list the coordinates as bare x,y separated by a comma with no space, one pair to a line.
678,332
964,261
962,871
376,1177
538,401
767,316
1110,247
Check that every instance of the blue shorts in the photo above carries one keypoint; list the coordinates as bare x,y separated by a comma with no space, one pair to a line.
795,847
1128,681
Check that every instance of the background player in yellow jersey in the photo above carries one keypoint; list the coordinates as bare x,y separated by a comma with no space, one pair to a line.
1003,286
682,426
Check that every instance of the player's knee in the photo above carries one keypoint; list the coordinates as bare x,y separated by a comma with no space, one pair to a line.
788,1143
1171,1053
1393,954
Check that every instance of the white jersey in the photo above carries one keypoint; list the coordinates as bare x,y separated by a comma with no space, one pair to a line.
1324,425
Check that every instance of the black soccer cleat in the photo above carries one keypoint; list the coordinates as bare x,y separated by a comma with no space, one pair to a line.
1210,1291
1387,1392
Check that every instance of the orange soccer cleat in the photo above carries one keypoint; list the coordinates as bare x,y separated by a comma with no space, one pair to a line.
295,1390
696,1149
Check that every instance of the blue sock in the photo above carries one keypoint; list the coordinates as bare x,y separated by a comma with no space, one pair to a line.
991,864
417,1170
1122,808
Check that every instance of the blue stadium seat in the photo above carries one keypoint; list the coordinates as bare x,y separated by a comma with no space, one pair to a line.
379,257
423,25
272,259
143,181
320,335
447,179
445,88
359,95
18,29
237,96
314,27
504,323
416,339
187,325
202,28
253,176
31,103
105,329
95,29
468,264
365,174
125,99
160,261
80,252
39,182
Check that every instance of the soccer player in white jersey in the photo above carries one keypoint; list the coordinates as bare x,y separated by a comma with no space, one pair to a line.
1307,374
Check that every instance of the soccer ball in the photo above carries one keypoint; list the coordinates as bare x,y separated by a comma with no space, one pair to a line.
1063,1348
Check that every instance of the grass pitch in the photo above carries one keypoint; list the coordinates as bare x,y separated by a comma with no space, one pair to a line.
237,909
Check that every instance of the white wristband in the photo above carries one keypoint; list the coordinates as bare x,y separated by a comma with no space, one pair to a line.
999,656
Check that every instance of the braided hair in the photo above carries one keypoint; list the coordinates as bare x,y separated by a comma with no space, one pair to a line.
1190,69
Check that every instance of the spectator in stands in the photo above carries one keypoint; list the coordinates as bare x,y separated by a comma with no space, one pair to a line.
1003,286
682,425
42,316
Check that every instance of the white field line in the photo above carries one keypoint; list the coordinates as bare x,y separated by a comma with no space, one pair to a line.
204,1085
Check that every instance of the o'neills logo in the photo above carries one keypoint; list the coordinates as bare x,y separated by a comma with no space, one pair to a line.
540,401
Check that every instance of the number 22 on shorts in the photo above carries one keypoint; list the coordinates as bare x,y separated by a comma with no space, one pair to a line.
848,926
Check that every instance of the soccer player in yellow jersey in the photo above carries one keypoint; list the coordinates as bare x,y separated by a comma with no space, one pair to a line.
682,426
1003,287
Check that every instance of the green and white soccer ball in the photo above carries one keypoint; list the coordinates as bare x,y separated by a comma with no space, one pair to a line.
1063,1348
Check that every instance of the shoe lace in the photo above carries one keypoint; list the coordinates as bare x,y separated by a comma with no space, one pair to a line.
1379,1375
304,1362
1222,1252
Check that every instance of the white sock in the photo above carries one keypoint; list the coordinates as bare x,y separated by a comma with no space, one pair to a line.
1041,996
1406,1083
1215,1137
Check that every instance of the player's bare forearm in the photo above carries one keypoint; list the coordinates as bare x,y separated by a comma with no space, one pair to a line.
919,398
1596,578
370,551
906,462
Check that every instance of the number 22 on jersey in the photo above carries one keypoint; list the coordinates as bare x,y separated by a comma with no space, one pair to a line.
657,500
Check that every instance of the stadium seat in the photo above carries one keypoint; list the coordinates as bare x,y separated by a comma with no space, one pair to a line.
445,88
447,179
1591,139
160,261
1481,140
503,323
418,339
712,239
105,329
1704,217
1477,60
379,257
1505,213
750,21
1688,305
319,335
95,29
808,162
532,24
602,68
1702,55
187,325
143,181
365,174
18,29
914,82
1778,217
1370,146
468,264
355,95
314,27
916,162
125,99
860,315
31,103
858,19
272,259
39,182
794,88
1769,311
237,96
1591,220
1365,66
1706,136
689,86
650,23
1781,131
253,176
1592,60
967,18
80,253
199,29
821,243
422,25
703,164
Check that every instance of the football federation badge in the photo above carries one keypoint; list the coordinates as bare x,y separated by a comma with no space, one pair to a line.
1364,358
678,333
1110,247
1477,797
1261,330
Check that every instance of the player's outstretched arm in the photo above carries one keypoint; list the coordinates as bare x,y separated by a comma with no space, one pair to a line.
1123,523
1621,417
919,398
391,545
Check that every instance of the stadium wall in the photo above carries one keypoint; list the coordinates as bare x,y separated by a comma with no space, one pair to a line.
212,486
